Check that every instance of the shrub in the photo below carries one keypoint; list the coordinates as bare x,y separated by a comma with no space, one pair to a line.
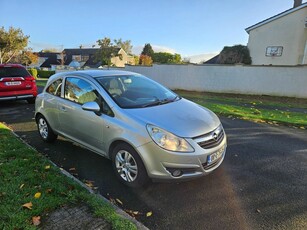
235,54
33,72
45,73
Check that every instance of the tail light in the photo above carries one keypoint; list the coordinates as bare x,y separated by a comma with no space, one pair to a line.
30,78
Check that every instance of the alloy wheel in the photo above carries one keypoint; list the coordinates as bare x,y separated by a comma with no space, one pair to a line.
126,166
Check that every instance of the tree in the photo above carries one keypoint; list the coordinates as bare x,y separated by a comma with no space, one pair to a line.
136,60
166,58
147,50
145,60
28,57
125,45
106,52
235,54
12,42
177,59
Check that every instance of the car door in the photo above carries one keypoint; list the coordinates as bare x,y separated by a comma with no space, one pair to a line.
84,127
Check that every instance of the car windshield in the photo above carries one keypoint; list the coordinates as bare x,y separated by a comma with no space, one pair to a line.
136,91
13,72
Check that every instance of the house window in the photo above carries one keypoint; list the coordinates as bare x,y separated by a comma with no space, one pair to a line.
85,58
76,57
273,51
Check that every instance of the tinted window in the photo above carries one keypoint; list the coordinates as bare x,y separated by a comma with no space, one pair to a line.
55,88
13,72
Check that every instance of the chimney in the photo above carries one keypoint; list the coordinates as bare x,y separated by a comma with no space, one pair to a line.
297,3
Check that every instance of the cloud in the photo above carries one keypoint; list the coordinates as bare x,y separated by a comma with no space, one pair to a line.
137,50
200,58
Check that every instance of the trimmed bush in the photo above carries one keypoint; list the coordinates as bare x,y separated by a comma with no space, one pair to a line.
45,73
33,72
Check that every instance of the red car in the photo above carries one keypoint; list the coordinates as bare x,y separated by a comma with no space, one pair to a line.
16,83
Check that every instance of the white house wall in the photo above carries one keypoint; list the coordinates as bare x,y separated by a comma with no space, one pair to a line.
257,80
288,31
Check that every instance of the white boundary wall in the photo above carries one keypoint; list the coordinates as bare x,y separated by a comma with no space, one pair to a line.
257,80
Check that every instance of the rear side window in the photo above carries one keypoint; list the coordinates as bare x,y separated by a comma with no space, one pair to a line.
13,72
55,88
79,91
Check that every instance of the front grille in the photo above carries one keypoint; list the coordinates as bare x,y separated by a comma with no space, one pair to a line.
212,142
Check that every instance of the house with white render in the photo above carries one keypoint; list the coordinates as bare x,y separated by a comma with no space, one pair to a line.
281,39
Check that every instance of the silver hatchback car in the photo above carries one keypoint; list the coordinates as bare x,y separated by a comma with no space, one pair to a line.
145,129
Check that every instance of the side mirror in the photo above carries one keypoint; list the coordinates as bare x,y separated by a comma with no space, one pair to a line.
92,106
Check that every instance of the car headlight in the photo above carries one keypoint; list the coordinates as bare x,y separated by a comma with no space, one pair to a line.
168,141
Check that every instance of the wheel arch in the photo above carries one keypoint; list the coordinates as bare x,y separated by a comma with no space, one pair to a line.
117,142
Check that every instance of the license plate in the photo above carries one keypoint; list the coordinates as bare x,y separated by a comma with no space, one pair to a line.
215,156
13,83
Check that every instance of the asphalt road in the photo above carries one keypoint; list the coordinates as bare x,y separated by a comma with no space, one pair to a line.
262,183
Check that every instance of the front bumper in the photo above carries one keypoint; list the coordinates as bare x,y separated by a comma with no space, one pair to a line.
161,164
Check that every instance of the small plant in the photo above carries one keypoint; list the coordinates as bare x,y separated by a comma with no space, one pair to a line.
33,72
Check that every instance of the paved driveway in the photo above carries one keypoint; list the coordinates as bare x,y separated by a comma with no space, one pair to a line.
262,183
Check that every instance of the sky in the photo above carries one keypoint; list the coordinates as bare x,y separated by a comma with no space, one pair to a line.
198,28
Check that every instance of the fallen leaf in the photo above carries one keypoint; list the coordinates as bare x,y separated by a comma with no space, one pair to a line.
21,186
258,210
302,127
72,169
49,190
148,214
37,195
28,205
36,220
132,213
119,201
89,183
47,167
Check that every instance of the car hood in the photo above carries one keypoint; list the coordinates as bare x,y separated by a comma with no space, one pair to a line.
182,118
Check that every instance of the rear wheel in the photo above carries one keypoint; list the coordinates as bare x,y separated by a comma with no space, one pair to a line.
128,166
44,130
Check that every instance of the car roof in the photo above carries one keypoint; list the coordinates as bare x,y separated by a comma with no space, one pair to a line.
93,73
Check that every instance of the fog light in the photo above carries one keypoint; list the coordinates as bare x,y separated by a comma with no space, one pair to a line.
177,173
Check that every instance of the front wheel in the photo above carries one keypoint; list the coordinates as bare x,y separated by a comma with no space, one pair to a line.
44,130
128,166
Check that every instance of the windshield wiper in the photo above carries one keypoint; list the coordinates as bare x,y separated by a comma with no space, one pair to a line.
161,102
175,98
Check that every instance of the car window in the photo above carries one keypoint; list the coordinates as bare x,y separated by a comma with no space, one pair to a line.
13,72
55,88
81,91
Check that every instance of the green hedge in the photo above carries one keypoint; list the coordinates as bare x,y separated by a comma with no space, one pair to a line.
45,73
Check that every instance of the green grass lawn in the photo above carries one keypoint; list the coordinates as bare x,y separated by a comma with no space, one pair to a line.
41,82
277,110
28,177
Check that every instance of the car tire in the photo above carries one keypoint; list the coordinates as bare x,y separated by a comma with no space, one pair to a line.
44,130
31,100
128,166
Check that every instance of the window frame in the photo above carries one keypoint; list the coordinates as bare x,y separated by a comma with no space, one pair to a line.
61,87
